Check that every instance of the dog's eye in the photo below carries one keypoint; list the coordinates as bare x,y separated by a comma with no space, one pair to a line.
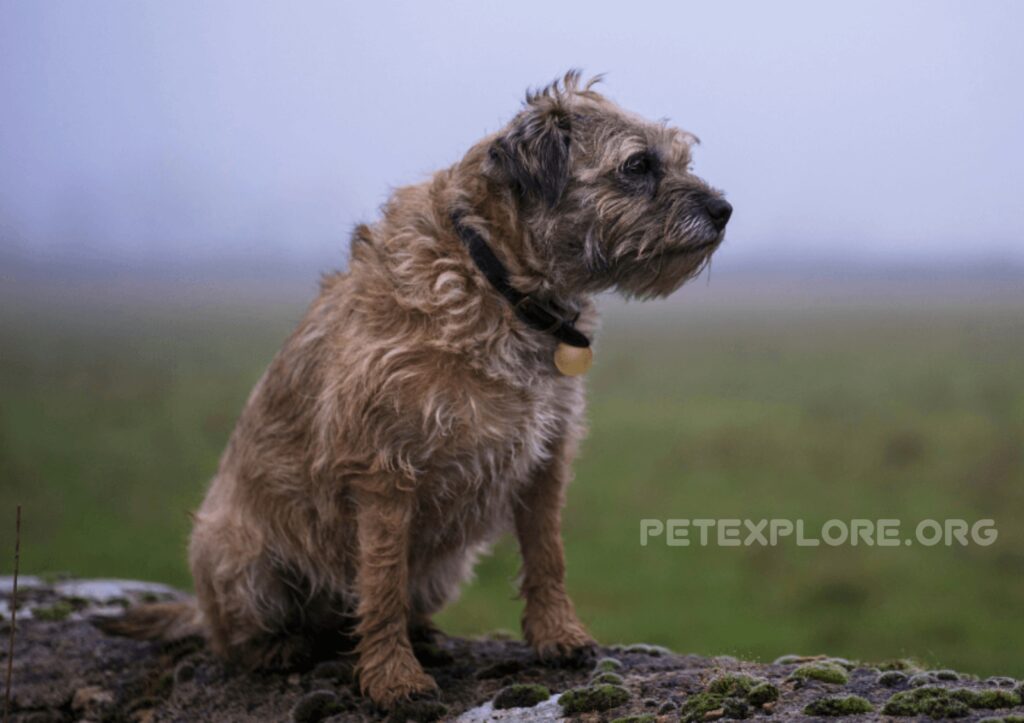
639,164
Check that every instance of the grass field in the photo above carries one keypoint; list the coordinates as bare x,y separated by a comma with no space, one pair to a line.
112,417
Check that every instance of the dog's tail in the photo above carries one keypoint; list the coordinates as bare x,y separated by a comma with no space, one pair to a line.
165,621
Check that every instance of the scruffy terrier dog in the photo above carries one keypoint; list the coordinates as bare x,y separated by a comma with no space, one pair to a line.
430,398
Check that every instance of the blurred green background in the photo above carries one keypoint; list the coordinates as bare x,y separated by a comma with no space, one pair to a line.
860,404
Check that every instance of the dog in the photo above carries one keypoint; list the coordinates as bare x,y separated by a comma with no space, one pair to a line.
431,398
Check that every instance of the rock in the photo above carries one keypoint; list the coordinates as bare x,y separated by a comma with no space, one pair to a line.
66,669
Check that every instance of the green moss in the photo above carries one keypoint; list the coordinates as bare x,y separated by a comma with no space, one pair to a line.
907,665
607,665
825,672
930,701
78,602
593,698
948,703
762,693
946,675
1001,681
1003,719
698,705
609,678
644,718
731,685
991,699
734,693
892,678
921,679
836,705
58,611
523,695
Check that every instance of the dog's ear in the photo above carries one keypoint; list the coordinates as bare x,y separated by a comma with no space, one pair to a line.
533,153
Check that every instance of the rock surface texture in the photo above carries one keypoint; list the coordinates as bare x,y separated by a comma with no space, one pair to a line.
67,670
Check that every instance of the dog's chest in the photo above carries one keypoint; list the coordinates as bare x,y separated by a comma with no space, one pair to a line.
501,441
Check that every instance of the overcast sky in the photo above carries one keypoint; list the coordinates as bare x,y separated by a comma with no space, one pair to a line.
191,130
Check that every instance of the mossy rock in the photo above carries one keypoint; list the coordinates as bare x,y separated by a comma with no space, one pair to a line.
763,693
521,695
990,699
609,678
732,685
420,711
53,613
892,678
825,672
733,693
607,665
593,698
1001,681
697,706
906,665
1003,719
930,701
315,706
948,703
655,651
919,680
643,718
839,705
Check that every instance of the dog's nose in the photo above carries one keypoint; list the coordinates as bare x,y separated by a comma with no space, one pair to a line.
719,210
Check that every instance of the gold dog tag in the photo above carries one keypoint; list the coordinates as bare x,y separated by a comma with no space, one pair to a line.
573,360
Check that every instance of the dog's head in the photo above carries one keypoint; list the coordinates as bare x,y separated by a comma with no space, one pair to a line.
608,197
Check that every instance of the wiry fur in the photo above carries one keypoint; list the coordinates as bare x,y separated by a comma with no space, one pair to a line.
412,418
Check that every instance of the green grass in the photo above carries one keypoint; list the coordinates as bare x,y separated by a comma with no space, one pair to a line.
112,419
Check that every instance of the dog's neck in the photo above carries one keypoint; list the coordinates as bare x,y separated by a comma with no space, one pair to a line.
546,316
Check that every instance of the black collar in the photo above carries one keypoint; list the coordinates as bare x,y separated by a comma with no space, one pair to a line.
534,313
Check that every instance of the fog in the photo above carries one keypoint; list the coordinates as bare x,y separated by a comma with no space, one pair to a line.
187,132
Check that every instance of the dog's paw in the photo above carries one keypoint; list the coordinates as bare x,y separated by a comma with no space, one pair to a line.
569,656
394,680
568,646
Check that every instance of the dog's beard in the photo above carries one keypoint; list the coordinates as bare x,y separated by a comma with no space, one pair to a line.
655,266
661,274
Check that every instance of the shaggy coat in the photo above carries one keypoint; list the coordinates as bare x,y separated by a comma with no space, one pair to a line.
412,418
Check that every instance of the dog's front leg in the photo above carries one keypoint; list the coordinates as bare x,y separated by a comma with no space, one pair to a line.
388,671
550,624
